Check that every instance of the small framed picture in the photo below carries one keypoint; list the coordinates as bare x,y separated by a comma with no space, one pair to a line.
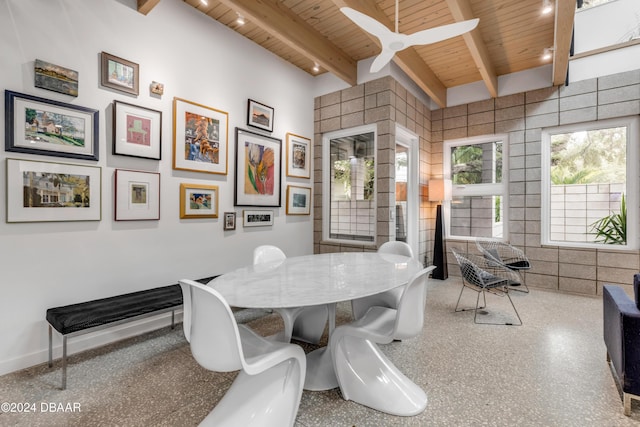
199,137
198,201
260,116
156,88
257,218
298,156
55,78
42,126
119,74
137,131
229,221
47,191
137,195
298,200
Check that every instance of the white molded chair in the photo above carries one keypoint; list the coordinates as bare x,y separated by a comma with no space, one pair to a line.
364,373
302,323
389,298
268,389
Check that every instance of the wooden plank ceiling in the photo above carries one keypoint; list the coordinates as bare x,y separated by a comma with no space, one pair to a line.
510,37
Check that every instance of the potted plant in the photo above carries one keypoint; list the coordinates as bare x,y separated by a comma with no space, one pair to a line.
612,229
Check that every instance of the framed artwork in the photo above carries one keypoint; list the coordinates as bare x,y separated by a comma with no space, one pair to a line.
260,116
258,169
36,125
298,156
55,78
298,200
198,201
229,221
156,88
119,74
200,138
137,195
257,218
137,131
47,191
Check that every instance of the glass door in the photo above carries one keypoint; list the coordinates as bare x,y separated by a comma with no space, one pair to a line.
407,203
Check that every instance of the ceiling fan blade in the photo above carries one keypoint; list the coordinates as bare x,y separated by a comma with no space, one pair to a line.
433,35
381,60
367,23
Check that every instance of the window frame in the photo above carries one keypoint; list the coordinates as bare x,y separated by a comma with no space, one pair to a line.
633,138
326,181
471,190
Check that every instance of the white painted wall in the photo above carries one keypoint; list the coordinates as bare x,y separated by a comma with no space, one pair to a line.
45,265
606,25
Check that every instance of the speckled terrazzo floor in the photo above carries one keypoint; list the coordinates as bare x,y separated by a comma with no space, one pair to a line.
549,372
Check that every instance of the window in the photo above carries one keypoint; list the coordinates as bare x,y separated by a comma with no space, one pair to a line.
587,182
478,205
587,4
349,185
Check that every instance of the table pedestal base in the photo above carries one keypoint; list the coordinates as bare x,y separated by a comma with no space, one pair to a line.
320,374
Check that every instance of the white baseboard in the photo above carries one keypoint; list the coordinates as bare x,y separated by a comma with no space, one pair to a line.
89,341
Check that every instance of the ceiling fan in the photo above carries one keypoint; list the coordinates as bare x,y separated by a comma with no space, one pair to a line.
393,42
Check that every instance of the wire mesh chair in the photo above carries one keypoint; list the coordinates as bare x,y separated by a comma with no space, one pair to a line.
509,256
483,276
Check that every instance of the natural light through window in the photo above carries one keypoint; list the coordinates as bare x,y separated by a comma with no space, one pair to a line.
349,167
475,166
587,184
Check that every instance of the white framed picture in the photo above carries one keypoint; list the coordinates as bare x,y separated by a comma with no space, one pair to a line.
257,218
48,191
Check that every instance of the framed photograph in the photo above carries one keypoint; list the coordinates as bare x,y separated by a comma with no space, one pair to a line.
200,138
299,156
137,131
137,195
258,169
260,116
198,201
156,88
55,78
119,74
298,200
257,218
46,191
36,125
229,221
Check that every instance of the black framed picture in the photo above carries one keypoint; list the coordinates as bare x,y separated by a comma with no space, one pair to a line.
260,116
35,125
258,169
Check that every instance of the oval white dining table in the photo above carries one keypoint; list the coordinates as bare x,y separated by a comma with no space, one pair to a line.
320,279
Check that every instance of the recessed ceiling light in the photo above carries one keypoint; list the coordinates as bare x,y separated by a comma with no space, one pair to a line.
204,2
240,20
316,67
547,7
547,54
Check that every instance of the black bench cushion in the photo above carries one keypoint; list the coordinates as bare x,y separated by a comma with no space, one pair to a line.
76,317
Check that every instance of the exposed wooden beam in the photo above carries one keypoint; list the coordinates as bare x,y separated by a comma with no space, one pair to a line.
279,21
408,60
145,6
414,66
563,32
461,11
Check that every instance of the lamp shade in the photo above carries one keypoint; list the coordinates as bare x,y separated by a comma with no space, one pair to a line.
439,190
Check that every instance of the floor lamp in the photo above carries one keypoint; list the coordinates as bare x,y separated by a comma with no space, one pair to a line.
439,191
